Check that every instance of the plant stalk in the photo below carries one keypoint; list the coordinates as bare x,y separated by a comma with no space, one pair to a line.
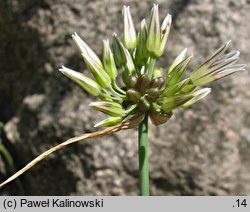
151,66
143,157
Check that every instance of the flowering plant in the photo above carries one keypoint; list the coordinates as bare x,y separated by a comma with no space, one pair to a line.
147,90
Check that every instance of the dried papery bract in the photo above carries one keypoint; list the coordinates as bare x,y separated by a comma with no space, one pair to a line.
130,123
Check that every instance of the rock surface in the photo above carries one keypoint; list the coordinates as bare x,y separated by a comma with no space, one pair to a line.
204,150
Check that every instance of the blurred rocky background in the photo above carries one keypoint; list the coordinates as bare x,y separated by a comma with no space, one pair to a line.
204,150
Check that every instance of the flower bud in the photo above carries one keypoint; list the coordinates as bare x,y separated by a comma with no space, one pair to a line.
154,36
89,85
132,81
188,88
98,71
161,82
170,103
165,28
133,95
181,57
217,66
157,82
108,60
173,89
153,93
141,55
129,67
143,83
118,50
123,58
197,95
129,34
111,121
157,35
85,49
176,74
154,83
110,108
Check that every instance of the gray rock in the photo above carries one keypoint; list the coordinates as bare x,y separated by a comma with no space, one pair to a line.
203,150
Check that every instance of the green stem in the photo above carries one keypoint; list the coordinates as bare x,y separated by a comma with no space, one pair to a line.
104,95
115,93
143,157
116,87
151,66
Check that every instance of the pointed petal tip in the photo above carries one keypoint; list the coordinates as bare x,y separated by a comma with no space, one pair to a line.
125,8
205,91
63,69
154,8
228,42
244,65
143,22
74,35
169,17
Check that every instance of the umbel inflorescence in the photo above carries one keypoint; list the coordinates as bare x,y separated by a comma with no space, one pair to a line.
147,88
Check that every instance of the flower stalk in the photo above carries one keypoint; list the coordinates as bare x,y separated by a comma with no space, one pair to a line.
143,156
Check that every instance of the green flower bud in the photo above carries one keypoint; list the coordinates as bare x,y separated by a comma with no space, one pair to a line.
98,71
85,49
165,28
176,74
188,88
110,108
181,57
217,66
203,69
123,58
141,55
154,34
198,95
111,121
157,35
108,60
129,35
129,67
173,89
89,85
170,103
119,53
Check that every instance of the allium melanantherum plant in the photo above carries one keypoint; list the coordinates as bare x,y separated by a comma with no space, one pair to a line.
147,90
